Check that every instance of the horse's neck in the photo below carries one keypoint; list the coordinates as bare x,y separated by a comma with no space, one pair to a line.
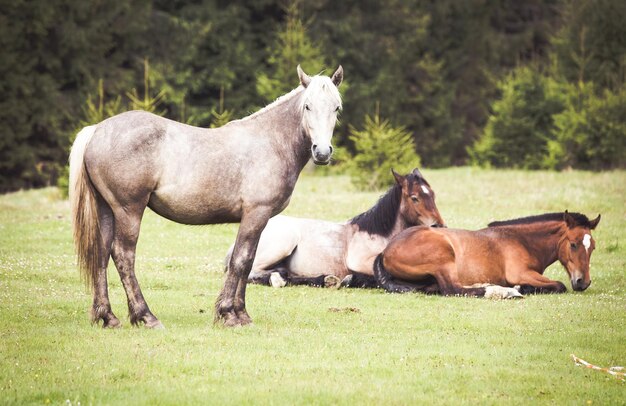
398,226
281,121
542,241
384,218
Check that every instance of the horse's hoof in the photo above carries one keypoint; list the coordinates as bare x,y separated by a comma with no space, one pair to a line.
155,325
346,282
331,281
277,281
231,320
112,323
244,318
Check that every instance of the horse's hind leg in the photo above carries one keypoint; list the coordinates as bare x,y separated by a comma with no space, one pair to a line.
449,285
265,276
359,280
101,309
127,224
322,281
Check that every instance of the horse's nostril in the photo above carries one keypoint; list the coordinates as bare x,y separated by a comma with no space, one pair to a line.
314,147
331,149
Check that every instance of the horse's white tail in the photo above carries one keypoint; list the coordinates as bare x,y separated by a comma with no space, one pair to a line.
84,209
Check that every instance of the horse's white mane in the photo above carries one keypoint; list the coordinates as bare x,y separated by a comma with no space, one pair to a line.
319,86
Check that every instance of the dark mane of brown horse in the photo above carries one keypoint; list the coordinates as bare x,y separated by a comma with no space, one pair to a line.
580,219
381,218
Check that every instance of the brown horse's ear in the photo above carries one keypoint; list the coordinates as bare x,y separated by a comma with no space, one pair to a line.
417,173
399,178
594,223
569,220
304,78
337,77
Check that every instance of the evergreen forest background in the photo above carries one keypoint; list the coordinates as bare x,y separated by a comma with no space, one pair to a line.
503,83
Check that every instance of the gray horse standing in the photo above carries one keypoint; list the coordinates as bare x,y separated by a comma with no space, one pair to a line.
242,172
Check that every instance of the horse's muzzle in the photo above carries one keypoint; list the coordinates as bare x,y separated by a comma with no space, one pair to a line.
321,154
579,285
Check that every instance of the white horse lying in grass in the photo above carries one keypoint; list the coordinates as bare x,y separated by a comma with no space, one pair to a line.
301,251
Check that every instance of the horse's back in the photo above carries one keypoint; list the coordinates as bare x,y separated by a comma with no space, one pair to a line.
475,256
185,173
134,139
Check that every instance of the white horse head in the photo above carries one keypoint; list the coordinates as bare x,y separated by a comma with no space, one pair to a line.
320,104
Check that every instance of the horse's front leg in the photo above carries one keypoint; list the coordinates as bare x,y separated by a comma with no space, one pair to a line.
534,282
231,303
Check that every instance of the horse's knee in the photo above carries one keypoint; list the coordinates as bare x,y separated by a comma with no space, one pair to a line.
241,262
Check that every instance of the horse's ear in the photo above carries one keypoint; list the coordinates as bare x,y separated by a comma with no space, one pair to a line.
399,178
594,223
337,77
569,220
417,173
304,78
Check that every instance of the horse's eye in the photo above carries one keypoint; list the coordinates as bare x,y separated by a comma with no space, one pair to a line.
336,109
572,245
415,199
307,107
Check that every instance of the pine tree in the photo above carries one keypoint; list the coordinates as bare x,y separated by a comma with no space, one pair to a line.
147,102
521,126
221,116
292,47
380,147
591,45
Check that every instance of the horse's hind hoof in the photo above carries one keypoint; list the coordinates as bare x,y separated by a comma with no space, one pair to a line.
112,323
346,282
277,281
331,281
155,325
232,320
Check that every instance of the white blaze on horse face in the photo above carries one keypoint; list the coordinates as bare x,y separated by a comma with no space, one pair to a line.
425,190
587,242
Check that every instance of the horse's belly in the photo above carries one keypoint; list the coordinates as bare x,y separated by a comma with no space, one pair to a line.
320,251
479,265
469,276
192,209
322,261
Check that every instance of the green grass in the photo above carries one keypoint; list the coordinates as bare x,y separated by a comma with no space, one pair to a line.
397,349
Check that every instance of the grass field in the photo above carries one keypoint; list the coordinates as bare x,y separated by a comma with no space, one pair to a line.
395,349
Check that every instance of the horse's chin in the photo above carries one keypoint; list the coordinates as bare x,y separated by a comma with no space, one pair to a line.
321,163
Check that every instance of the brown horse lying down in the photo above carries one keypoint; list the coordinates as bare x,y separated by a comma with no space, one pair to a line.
507,253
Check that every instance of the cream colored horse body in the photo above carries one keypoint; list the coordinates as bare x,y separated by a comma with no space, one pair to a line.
312,248
303,249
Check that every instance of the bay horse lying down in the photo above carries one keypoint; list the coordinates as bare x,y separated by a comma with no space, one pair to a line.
303,251
507,253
